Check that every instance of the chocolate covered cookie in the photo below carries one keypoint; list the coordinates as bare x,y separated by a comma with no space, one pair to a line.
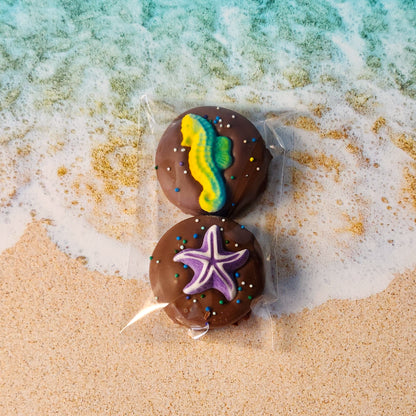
209,270
212,160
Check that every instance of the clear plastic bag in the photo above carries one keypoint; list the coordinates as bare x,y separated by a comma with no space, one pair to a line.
158,215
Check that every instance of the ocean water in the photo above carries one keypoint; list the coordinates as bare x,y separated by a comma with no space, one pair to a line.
86,88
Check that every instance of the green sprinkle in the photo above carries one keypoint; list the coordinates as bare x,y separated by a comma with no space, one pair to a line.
221,302
226,242
151,257
176,274
250,297
184,241
156,167
232,177
202,296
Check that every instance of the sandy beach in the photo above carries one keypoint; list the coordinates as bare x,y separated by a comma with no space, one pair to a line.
62,353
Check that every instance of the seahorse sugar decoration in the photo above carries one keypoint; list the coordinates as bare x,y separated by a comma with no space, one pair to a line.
209,156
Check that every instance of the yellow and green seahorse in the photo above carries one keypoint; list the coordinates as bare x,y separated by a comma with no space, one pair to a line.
209,156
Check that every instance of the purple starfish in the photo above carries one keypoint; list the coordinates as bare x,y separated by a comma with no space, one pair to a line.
212,265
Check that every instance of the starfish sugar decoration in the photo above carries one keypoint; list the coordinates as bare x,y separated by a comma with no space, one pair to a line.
212,265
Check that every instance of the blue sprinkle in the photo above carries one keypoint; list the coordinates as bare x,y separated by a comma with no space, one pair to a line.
243,226
205,116
188,297
185,266
217,118
233,204
195,235
240,289
236,274
253,140
207,308
177,189
178,237
238,301
215,121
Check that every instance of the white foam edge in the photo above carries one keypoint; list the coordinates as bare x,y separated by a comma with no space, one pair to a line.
72,234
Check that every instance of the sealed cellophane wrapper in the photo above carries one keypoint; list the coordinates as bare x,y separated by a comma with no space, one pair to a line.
175,242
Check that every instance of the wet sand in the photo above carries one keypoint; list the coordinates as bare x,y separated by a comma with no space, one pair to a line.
61,351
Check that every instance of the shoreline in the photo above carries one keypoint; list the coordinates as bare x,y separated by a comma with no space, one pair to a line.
62,351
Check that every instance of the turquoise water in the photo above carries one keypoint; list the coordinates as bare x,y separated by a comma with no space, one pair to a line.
52,50
339,76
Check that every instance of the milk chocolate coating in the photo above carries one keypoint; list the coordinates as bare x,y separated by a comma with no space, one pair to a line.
245,179
168,278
